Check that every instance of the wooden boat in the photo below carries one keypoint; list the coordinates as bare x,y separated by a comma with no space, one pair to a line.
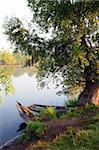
38,107
29,113
25,112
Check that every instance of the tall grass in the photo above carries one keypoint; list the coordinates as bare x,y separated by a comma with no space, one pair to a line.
71,102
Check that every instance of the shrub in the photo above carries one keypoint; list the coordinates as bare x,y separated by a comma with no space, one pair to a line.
24,137
71,102
74,112
7,58
63,116
89,106
77,140
48,113
93,122
35,128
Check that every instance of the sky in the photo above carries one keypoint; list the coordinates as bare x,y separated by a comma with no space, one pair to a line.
16,8
10,8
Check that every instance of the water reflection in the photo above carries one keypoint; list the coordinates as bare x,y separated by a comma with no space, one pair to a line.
6,73
19,71
1,99
23,83
21,127
6,81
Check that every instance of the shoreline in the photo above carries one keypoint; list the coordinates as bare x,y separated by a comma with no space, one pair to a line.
59,129
9,142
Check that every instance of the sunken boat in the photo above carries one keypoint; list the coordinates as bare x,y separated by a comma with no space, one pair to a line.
30,112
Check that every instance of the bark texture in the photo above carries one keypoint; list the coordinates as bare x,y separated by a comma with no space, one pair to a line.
90,94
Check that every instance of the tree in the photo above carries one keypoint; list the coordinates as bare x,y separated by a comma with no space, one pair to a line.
7,58
24,39
6,81
73,48
21,59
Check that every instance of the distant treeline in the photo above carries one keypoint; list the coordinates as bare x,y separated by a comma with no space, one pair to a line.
8,58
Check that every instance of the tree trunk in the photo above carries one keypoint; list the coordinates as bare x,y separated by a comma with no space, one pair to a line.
32,60
90,94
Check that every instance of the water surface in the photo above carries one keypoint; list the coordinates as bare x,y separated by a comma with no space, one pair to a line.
26,92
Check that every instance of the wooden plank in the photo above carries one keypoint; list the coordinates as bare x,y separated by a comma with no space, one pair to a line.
44,106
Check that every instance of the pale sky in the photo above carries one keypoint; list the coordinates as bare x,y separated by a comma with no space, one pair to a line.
16,8
10,8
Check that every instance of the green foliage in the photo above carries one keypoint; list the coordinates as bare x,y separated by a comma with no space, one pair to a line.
78,112
71,102
63,116
70,51
83,140
93,121
15,58
48,113
76,138
1,99
89,106
24,137
35,128
21,59
7,58
6,74
6,81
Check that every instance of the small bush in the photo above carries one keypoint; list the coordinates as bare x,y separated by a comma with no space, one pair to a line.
77,140
48,113
71,102
89,106
74,112
35,128
92,122
63,116
92,127
24,137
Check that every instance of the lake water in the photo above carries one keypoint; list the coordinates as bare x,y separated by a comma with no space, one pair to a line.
27,93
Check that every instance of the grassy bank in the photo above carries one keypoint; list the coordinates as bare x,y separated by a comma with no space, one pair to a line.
77,129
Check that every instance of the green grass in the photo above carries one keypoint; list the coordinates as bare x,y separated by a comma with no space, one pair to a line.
72,140
86,139
75,112
49,113
34,129
81,140
76,139
71,102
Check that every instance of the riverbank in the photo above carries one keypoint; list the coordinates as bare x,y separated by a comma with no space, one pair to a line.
13,144
9,142
80,132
